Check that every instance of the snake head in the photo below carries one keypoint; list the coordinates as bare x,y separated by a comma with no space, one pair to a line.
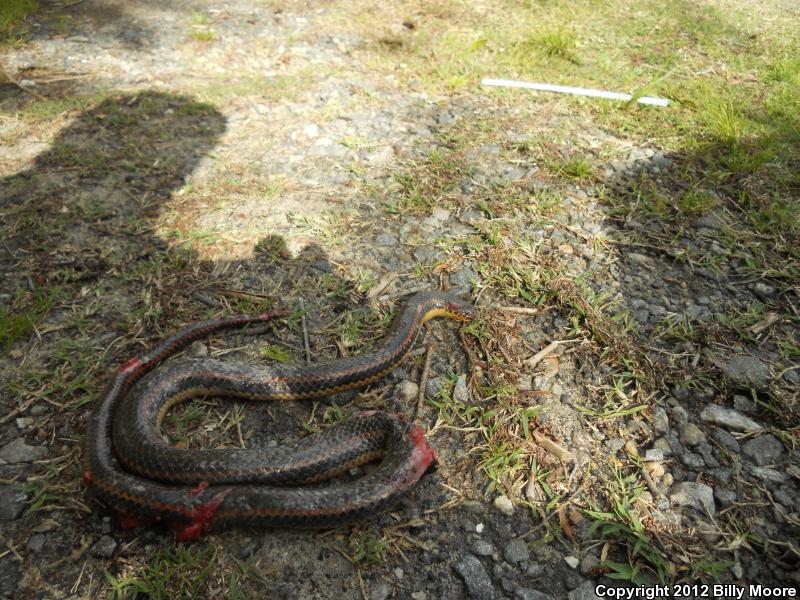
460,310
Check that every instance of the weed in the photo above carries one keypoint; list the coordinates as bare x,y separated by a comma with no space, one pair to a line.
184,572
12,14
203,35
369,549
622,527
276,353
21,316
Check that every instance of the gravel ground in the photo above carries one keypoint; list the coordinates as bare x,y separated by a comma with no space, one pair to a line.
264,162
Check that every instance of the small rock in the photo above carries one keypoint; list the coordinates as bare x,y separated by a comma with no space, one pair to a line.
9,576
12,502
692,460
747,371
729,443
572,561
248,547
784,498
433,385
679,415
483,548
692,435
385,239
381,157
104,547
589,563
479,586
20,452
654,455
660,420
460,393
504,505
198,349
639,259
407,390
728,418
36,543
694,495
425,254
420,595
763,450
522,593
743,403
516,551
724,496
770,476
584,591
464,279
23,422
380,591
662,444
720,474
535,570
311,130
764,290
437,218
398,572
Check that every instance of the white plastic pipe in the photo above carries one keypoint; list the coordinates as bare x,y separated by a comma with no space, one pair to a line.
576,91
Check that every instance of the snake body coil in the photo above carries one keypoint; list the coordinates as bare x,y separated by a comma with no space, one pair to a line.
128,464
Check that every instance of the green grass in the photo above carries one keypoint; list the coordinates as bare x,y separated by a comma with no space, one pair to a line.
12,14
19,318
183,572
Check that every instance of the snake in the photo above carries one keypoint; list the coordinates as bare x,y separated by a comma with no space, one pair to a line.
129,466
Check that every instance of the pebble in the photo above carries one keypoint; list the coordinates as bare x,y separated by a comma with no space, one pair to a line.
425,254
692,460
694,495
743,403
747,371
692,435
407,391
535,570
36,543
380,591
104,547
572,561
475,577
516,551
398,572
20,452
198,349
763,450
725,440
585,591
654,455
728,418
589,564
724,496
504,505
420,595
770,476
460,392
433,385
530,594
660,420
12,502
385,239
483,548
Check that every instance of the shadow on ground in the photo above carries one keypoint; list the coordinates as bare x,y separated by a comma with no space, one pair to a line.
87,281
